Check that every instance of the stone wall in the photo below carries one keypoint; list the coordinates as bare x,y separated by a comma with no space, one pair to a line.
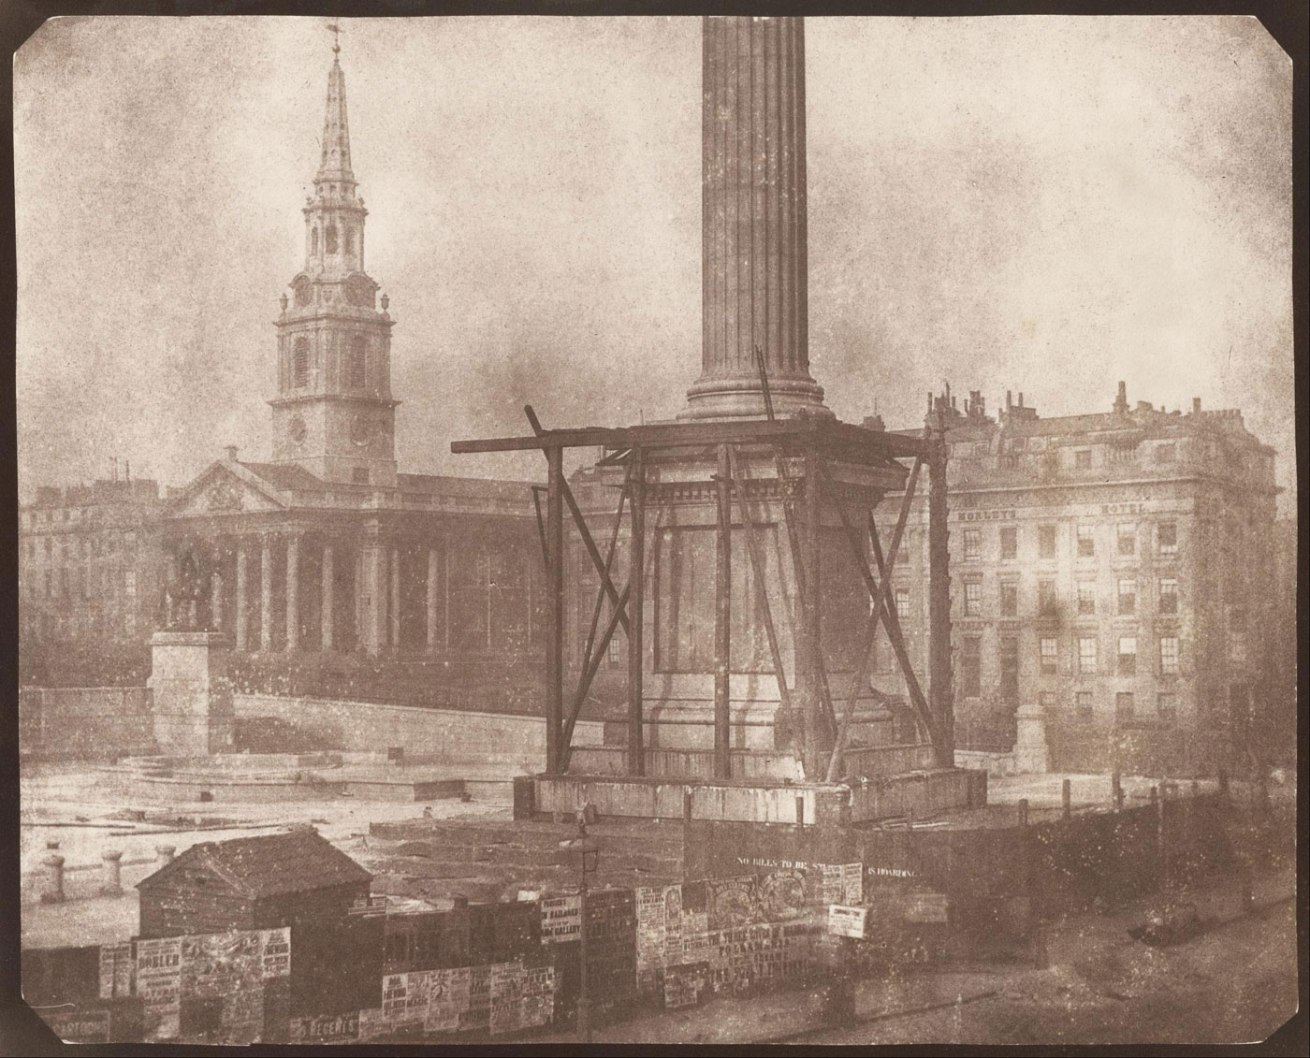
85,722
492,739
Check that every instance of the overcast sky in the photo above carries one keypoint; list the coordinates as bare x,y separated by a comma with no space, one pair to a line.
1045,204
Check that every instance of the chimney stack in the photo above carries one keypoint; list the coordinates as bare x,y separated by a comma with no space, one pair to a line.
1196,405
231,451
1121,401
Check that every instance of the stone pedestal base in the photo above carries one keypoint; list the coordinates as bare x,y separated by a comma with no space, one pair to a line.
191,703
1031,756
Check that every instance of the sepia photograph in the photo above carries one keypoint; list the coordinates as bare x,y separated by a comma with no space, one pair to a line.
656,530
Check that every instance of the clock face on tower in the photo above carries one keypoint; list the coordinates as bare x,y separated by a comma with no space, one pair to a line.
361,430
297,430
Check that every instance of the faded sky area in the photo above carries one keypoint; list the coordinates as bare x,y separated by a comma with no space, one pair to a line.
1045,204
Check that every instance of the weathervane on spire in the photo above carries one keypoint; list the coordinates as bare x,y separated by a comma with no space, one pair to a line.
336,37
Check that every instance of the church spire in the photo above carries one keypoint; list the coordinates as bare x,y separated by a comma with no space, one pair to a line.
335,165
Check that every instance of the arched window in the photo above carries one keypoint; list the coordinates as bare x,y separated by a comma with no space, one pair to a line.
313,240
302,291
358,362
349,241
300,363
331,236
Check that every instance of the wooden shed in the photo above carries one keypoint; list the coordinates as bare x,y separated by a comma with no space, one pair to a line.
292,879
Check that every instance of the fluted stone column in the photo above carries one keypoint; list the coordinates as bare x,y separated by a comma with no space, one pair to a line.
753,256
372,595
293,593
266,592
242,617
325,609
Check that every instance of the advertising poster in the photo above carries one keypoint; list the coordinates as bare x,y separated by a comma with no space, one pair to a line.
651,932
852,883
448,999
275,949
506,997
331,1028
684,984
159,984
732,902
79,1026
561,919
846,921
477,1018
116,970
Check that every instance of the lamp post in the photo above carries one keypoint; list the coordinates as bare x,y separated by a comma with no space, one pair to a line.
588,863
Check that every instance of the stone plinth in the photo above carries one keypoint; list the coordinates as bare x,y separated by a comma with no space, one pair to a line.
191,703
1031,756
678,665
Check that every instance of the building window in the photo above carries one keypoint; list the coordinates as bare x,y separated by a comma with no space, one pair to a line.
313,240
1123,706
1127,655
1167,538
1127,595
1087,596
1166,453
1082,458
1046,541
358,361
1047,602
300,363
1009,543
1086,542
1009,598
971,667
972,598
1046,699
129,583
1083,704
1008,656
1049,649
902,602
1127,533
349,241
972,544
1087,655
1168,655
330,237
1168,595
1166,707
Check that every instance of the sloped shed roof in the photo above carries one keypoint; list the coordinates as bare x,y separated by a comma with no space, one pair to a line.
270,865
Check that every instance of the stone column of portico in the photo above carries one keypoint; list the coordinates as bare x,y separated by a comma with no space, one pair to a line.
293,593
266,592
242,618
394,605
325,610
371,594
753,221
432,599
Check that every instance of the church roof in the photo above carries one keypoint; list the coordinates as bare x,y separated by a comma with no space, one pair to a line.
287,476
469,487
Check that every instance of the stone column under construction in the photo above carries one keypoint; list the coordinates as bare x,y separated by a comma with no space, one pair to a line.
754,272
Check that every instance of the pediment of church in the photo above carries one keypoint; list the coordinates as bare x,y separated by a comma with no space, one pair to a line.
224,489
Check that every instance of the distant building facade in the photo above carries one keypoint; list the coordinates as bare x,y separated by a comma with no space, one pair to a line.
333,573
1115,569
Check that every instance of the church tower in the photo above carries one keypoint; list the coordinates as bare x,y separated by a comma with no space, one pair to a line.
333,413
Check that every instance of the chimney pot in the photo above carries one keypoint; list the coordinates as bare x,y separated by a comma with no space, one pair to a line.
1196,405
231,451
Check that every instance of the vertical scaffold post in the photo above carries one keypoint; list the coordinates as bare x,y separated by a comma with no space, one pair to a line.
636,604
554,607
723,617
939,595
810,618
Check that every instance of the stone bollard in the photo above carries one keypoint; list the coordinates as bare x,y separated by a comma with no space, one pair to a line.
1023,811
54,891
113,880
1117,790
165,853
1066,798
800,810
